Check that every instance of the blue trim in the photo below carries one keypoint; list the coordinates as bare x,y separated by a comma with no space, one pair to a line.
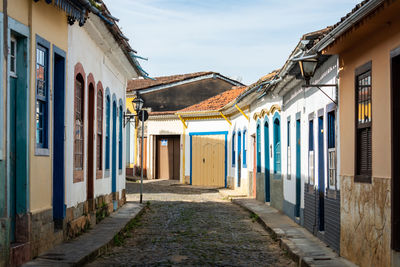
226,150
298,166
277,143
120,112
258,145
239,144
58,103
43,149
244,149
114,146
108,132
267,165
233,149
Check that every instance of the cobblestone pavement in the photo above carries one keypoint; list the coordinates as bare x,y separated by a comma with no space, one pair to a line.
192,226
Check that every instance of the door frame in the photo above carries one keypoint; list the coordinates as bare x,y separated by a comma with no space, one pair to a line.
22,33
298,165
267,167
395,181
92,93
59,207
114,145
209,133
239,163
321,171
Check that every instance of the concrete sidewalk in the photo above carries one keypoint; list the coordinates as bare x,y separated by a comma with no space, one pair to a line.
91,244
302,246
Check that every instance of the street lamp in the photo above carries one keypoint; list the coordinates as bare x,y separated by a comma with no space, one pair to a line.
308,65
139,112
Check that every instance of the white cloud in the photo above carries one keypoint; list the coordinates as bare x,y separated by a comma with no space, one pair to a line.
236,38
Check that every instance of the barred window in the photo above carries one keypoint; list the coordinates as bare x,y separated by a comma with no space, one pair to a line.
331,150
277,146
289,158
79,123
99,144
363,126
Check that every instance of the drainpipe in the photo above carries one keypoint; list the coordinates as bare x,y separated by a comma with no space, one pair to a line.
5,86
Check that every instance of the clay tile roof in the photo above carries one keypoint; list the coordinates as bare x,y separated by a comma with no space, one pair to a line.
216,102
139,84
357,7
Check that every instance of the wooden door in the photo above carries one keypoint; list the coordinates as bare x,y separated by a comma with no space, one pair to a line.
176,158
208,160
162,158
90,170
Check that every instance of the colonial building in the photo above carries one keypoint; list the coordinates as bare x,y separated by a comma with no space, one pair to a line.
164,132
54,74
367,42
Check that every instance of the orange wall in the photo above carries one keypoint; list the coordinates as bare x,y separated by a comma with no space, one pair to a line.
374,47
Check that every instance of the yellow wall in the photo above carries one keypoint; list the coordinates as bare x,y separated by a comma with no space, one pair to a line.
51,24
18,10
373,47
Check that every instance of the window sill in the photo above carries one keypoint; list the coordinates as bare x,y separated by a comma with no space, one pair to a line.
362,179
45,152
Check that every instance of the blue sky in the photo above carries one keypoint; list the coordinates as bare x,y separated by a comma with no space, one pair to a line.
240,39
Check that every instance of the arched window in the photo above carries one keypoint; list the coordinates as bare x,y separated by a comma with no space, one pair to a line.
244,149
233,149
108,132
258,148
99,144
277,144
120,138
79,123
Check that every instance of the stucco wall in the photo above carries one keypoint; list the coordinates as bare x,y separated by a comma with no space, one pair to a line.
51,24
304,102
83,49
365,207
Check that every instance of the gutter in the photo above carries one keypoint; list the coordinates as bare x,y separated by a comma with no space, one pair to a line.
95,11
257,88
345,25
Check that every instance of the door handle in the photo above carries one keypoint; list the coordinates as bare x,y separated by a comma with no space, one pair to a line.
204,160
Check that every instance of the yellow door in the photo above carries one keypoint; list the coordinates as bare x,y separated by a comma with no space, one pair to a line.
208,160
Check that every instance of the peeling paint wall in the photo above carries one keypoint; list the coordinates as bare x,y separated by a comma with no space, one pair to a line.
365,221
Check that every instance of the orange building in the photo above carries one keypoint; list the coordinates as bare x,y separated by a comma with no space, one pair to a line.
367,41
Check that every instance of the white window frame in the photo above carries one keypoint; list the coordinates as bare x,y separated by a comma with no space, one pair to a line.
13,44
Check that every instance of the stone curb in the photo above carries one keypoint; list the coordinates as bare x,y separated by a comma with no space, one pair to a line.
43,260
293,251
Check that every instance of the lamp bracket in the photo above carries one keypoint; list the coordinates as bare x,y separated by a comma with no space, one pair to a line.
319,88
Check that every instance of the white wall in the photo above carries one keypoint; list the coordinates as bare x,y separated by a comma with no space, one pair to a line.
160,127
84,50
306,101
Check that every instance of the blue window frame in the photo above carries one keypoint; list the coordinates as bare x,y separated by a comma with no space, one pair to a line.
277,144
233,149
258,147
120,138
41,94
108,110
244,149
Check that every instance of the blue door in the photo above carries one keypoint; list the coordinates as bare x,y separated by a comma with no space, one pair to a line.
58,138
239,165
266,161
298,169
13,158
114,148
321,180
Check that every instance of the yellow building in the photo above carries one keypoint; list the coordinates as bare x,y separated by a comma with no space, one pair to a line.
34,42
368,44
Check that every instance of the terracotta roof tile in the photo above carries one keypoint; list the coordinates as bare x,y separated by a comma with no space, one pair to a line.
139,84
217,102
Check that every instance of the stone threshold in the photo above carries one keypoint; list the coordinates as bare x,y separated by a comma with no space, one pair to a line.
92,244
303,247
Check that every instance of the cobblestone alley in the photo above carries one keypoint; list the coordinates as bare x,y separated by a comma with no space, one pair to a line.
190,226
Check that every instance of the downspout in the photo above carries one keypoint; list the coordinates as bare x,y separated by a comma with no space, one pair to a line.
5,94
